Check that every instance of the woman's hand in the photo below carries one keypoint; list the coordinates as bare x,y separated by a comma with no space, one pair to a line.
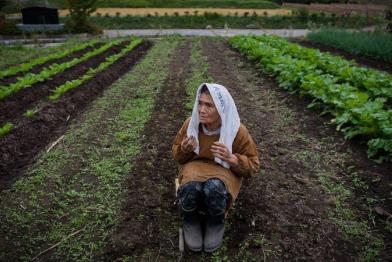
188,144
221,151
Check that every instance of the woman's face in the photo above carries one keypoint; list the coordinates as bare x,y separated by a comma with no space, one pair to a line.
208,114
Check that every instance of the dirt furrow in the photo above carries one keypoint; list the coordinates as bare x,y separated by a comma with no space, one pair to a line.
22,146
38,68
17,104
149,214
281,211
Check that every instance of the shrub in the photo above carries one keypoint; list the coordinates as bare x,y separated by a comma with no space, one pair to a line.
303,13
10,28
79,10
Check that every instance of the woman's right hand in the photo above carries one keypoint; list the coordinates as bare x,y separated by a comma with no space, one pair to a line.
188,144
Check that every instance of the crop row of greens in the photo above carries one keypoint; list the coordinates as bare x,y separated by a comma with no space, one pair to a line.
377,44
59,91
13,70
46,73
374,82
355,112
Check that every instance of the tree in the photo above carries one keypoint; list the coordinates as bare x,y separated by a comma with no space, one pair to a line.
79,11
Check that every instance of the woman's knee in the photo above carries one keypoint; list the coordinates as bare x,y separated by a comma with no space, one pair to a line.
215,196
189,195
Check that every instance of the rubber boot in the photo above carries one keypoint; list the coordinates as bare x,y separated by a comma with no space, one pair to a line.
213,236
193,235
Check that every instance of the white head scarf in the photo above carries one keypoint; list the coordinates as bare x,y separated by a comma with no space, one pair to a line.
228,114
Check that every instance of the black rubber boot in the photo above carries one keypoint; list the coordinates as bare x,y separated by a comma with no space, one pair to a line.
215,228
193,235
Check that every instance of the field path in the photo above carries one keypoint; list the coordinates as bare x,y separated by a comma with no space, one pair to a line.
149,213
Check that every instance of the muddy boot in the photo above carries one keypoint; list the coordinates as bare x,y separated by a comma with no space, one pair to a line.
192,231
215,228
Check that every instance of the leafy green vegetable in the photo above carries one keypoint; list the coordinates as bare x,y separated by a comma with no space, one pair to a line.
30,79
59,91
356,111
40,60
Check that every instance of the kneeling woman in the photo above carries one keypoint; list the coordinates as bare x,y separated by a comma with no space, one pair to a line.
215,152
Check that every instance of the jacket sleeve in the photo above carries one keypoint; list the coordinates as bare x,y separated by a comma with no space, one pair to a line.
246,150
180,156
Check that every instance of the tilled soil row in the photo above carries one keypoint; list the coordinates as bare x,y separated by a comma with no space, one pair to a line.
38,68
17,104
149,214
285,203
21,147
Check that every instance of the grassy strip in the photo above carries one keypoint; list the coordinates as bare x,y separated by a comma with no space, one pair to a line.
361,43
355,113
353,224
40,60
199,74
30,79
5,129
59,91
215,20
263,4
374,82
80,183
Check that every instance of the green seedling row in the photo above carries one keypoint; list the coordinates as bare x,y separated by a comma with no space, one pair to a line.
13,70
59,91
46,73
374,82
355,112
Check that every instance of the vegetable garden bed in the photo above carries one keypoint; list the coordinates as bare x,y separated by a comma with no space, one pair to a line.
30,135
104,192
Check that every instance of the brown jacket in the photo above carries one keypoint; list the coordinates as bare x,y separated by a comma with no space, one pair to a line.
201,167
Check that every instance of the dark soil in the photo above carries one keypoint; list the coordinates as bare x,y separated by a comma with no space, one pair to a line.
22,146
149,214
17,104
38,68
360,59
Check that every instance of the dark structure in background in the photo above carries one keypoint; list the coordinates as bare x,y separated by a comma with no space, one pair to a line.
40,15
40,19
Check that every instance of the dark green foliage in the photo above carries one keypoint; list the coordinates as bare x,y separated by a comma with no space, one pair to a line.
10,28
357,110
79,11
218,21
378,45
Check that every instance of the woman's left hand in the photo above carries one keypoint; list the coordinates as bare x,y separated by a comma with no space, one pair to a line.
221,151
